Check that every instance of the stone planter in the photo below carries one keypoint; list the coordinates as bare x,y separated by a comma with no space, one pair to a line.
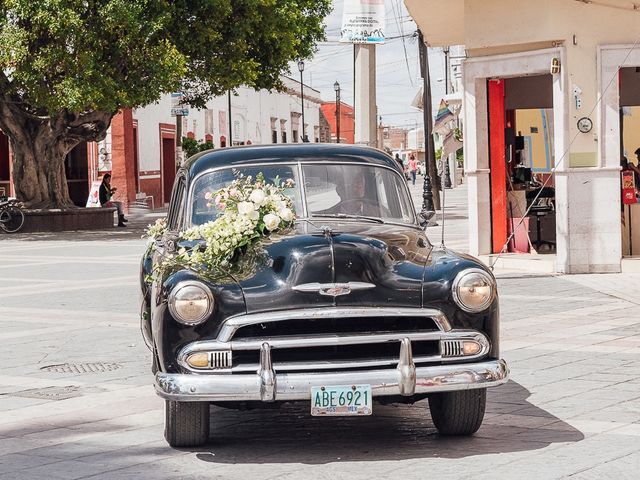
59,220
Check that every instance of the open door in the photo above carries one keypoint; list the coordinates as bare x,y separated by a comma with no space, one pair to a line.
497,164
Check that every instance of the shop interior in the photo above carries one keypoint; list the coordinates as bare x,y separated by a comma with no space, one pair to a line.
521,160
629,160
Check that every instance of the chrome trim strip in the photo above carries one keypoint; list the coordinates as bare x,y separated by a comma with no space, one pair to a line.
320,340
338,289
336,365
232,324
297,386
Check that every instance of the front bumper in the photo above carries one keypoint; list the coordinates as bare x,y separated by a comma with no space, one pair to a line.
267,385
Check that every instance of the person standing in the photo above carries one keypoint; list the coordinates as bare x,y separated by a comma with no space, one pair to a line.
399,160
413,168
105,193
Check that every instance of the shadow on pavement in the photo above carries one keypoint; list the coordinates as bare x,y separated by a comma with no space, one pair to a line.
394,432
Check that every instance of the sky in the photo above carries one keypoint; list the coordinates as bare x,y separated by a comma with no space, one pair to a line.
397,73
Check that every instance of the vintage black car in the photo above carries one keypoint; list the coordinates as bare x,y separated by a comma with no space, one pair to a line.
354,304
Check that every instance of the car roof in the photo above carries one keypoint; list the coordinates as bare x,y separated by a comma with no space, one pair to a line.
286,153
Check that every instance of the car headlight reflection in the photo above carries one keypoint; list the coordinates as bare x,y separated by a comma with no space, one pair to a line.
473,290
191,303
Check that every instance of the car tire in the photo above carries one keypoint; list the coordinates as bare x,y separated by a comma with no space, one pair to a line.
458,413
186,423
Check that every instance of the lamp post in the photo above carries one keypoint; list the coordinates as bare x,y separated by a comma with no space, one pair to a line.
304,130
336,87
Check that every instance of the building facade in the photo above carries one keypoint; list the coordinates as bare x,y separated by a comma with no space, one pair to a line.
347,121
550,88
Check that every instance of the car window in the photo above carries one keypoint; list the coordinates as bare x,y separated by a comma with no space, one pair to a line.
334,189
176,209
203,208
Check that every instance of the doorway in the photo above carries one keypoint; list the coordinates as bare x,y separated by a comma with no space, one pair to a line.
629,82
521,158
168,153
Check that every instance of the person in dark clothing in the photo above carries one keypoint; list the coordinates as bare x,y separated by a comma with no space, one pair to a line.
105,193
399,160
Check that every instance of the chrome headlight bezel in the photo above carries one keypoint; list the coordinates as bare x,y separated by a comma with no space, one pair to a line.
458,296
174,298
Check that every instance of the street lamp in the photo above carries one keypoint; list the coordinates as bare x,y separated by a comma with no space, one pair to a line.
336,87
301,68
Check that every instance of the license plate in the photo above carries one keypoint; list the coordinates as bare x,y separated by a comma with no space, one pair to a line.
341,400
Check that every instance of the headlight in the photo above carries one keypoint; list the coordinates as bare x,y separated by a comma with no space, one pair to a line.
473,290
191,302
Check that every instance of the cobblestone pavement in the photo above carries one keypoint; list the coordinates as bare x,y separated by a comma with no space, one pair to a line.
76,395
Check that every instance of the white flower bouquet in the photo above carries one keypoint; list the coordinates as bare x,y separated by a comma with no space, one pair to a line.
250,210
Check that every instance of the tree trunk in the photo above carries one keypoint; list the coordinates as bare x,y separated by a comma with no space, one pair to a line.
40,144
38,166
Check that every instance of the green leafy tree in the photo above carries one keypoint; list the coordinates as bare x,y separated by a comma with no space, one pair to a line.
191,146
68,66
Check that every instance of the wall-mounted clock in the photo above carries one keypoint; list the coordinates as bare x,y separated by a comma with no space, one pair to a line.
585,124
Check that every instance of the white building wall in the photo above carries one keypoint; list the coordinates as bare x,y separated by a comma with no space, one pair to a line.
252,113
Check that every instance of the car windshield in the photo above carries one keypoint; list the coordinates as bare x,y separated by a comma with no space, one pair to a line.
331,190
356,191
203,208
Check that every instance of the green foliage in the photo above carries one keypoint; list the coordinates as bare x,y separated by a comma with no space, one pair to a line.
460,157
102,55
191,146
438,154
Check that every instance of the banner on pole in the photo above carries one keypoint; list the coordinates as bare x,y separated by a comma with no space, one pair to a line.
177,107
363,21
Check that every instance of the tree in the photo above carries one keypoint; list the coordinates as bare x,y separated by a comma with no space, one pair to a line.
68,66
191,146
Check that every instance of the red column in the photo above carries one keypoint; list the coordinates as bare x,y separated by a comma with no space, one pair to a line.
123,168
498,165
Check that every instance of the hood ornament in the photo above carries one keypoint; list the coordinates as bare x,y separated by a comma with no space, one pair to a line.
333,289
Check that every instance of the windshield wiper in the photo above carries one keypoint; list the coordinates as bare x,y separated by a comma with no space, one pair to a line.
346,215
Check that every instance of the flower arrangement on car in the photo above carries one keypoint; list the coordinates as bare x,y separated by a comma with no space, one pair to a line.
249,210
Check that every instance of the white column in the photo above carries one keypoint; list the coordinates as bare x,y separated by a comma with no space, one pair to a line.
365,95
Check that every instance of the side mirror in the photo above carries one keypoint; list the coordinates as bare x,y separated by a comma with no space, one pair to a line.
424,216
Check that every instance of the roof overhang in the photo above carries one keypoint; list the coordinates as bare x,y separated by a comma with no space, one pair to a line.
441,21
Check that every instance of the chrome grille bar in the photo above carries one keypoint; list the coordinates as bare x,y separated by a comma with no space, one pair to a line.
321,340
232,324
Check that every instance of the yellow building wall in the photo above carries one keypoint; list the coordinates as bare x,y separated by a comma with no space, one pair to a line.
541,139
631,132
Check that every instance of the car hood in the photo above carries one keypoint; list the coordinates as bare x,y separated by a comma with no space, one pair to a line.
335,264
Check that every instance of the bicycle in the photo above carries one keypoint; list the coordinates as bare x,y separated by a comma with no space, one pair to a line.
11,214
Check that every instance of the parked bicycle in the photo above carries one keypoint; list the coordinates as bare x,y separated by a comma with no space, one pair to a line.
11,214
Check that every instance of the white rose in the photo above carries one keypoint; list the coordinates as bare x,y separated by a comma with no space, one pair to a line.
257,196
286,214
271,221
246,208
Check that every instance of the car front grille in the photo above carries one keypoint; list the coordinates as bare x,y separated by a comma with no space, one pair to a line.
333,339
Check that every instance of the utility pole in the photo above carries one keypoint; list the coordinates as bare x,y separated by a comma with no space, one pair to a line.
230,142
430,157
336,87
365,94
179,153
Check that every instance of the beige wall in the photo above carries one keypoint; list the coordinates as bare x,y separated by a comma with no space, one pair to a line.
529,119
631,132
